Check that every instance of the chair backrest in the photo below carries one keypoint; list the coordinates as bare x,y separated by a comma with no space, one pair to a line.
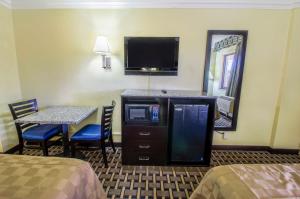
106,119
22,109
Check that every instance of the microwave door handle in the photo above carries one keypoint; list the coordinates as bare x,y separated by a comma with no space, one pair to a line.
144,146
144,158
144,133
149,111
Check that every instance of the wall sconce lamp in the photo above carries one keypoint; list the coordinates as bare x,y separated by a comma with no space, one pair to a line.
102,47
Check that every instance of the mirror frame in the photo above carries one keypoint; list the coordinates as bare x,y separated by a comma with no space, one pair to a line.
210,33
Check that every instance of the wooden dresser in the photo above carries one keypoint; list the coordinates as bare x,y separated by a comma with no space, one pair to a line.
146,142
145,145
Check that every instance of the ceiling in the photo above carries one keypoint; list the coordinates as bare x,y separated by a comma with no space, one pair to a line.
260,4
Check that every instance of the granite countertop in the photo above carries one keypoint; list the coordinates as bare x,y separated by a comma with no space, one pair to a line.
159,93
59,115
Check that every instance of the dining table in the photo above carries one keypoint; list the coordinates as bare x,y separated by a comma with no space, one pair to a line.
62,115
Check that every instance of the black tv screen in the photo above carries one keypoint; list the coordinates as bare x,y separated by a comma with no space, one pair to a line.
151,55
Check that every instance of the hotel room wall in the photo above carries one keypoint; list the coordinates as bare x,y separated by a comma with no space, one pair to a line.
287,131
57,65
9,79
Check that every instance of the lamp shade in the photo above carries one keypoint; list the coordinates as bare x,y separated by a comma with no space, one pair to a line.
101,45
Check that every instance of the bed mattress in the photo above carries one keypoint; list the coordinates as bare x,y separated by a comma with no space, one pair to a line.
48,178
250,181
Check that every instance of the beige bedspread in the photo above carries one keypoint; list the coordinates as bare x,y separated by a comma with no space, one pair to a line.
31,177
250,181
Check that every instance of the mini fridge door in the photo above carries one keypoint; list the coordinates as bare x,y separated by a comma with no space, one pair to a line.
188,133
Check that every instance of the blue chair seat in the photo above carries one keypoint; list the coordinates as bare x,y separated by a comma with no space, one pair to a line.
41,132
90,132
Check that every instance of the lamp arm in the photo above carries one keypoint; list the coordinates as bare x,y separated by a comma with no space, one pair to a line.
106,62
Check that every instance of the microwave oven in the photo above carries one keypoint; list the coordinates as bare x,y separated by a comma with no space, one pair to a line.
148,113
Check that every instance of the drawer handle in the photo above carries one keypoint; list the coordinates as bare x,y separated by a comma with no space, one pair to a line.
144,146
144,158
144,133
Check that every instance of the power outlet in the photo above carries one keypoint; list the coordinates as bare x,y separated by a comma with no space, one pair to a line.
225,136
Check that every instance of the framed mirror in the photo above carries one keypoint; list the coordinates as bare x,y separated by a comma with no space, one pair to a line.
223,74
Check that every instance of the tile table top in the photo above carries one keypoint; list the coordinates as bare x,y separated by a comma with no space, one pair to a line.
59,115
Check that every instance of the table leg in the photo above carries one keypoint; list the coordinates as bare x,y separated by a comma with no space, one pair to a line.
65,130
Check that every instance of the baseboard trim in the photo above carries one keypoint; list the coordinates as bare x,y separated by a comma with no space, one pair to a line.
215,147
255,148
240,147
12,150
284,151
117,144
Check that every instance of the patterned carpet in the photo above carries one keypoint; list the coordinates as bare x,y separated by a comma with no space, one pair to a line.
163,182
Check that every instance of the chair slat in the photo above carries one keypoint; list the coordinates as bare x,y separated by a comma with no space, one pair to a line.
27,111
108,111
23,126
107,126
108,119
107,129
24,115
107,123
24,102
107,114
26,106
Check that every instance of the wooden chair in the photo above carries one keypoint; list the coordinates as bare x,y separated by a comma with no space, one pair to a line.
95,133
38,133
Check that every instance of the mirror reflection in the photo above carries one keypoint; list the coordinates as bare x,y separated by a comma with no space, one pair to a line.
223,74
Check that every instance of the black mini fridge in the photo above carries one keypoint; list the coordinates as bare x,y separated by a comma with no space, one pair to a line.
188,133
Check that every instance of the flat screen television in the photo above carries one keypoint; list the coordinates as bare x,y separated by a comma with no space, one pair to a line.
151,55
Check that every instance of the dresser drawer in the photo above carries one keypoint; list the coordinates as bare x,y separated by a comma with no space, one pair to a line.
130,157
149,146
144,133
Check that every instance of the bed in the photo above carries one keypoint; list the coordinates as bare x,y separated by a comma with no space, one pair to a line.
48,178
250,181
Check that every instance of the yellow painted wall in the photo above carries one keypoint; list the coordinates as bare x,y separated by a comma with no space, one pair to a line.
57,65
9,79
288,124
